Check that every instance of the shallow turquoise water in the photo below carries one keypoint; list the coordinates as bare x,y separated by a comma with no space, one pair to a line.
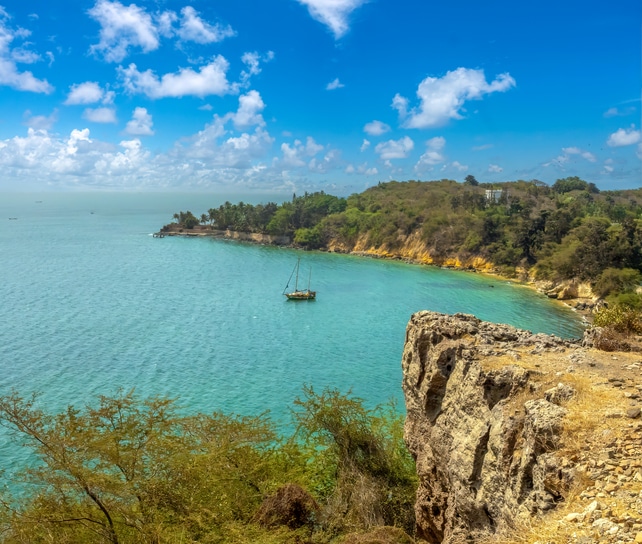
90,302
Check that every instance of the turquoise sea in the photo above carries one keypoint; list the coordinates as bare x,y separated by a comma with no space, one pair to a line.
90,302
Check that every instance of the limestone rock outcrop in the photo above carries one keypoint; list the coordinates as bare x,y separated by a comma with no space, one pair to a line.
482,441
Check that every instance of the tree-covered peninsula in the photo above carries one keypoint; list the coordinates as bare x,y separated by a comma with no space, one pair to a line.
569,230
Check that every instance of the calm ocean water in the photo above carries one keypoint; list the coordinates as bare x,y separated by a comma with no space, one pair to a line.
90,302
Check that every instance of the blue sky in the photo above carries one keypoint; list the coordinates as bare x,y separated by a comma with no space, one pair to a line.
335,95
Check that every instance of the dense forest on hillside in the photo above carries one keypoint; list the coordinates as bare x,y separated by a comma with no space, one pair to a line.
567,230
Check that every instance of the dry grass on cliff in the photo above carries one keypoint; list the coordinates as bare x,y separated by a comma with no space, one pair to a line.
588,413
589,424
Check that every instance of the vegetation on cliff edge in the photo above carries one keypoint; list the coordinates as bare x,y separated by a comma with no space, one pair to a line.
139,470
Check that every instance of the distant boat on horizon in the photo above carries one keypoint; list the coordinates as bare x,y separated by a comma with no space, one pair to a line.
299,294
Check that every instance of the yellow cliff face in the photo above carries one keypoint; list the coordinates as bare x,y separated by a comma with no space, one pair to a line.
412,249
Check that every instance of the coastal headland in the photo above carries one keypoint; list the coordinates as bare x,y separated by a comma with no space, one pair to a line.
569,240
577,295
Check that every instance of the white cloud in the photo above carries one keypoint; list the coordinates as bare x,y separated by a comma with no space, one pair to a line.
40,122
365,145
616,112
335,84
249,112
395,149
89,92
299,154
252,61
140,124
376,128
567,154
362,169
495,168
458,166
194,29
210,79
10,75
329,161
433,155
624,136
577,151
443,99
333,13
122,27
100,115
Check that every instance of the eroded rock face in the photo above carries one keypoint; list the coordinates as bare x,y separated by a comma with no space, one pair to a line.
483,456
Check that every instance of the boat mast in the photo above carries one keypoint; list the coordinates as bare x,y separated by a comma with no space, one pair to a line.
309,278
296,281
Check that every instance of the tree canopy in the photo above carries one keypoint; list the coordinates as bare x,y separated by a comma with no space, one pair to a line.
131,470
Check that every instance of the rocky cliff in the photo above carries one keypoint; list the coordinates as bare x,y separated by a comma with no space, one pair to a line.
488,423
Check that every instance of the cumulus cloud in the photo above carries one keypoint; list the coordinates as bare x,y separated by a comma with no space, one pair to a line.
495,168
624,136
252,61
395,149
249,112
333,13
100,115
299,154
335,84
365,145
443,99
376,128
210,79
140,124
88,92
60,159
194,29
458,166
433,155
10,57
123,28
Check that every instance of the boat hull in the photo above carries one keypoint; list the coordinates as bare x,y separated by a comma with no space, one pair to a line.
301,295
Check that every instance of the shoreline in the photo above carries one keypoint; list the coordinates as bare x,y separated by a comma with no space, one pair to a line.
582,305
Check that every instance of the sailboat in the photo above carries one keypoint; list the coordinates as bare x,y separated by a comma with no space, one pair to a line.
299,294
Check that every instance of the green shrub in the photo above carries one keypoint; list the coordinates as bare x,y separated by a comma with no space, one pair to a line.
620,318
617,280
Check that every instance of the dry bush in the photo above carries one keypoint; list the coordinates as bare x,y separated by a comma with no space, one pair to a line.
609,339
291,506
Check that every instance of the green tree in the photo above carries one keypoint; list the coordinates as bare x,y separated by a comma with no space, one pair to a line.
135,471
470,180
